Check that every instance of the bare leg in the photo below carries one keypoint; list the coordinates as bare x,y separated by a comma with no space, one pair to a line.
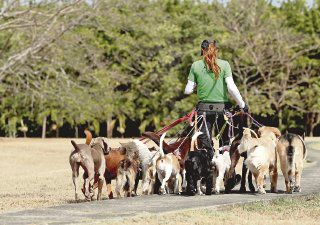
75,175
164,182
251,186
273,172
184,181
176,184
297,187
243,178
260,182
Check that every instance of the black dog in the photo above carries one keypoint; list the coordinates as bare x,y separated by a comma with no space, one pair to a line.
198,165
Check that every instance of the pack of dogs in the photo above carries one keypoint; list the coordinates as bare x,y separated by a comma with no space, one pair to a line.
184,168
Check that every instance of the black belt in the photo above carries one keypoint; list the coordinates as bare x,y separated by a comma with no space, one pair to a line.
213,108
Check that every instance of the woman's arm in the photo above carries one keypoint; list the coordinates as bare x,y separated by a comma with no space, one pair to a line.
189,87
234,92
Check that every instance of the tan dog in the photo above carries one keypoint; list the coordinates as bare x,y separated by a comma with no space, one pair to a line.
292,151
168,170
93,163
126,175
262,157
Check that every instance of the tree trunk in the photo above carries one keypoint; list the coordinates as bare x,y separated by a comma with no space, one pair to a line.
110,126
280,119
77,132
312,119
44,127
57,132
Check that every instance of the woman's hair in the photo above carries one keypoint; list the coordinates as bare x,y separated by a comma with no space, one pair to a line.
210,55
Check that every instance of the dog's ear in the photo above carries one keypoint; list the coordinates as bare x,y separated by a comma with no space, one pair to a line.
106,149
122,150
276,131
76,147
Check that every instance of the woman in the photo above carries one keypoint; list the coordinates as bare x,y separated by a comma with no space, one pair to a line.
213,78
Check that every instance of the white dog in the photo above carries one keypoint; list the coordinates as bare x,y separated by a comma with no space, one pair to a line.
168,170
221,163
262,157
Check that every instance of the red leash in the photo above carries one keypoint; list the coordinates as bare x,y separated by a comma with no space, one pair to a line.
188,117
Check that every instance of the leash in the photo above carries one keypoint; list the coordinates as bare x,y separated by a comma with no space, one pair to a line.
201,116
255,122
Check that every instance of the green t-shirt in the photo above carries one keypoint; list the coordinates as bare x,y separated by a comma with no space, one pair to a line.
209,88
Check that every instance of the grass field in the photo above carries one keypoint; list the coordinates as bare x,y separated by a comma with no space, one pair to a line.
36,172
303,210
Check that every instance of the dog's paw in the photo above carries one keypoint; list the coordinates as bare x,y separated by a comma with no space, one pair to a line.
274,190
242,190
162,191
297,189
252,189
217,192
261,191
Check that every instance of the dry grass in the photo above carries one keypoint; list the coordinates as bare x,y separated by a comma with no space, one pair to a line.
36,172
305,210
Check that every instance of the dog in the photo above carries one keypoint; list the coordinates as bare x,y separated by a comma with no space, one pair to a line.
168,170
126,176
147,161
112,157
262,155
93,163
198,166
180,147
221,163
292,152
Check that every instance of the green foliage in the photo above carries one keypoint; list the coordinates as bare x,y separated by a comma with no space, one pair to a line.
131,59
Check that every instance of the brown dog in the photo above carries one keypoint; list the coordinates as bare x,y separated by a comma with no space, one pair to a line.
292,151
112,156
93,163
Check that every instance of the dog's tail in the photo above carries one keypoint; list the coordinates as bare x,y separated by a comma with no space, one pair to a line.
304,146
194,139
76,147
161,144
88,136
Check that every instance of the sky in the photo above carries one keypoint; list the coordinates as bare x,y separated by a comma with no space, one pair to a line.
278,2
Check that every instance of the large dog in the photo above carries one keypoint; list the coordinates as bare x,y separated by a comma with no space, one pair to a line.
198,166
93,163
113,157
262,155
168,170
220,165
292,151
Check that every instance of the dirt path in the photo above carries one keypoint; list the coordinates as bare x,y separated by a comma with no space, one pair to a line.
97,211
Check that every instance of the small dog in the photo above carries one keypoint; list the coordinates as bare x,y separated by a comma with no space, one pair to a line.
221,163
262,155
198,166
292,151
147,161
93,163
126,176
168,170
